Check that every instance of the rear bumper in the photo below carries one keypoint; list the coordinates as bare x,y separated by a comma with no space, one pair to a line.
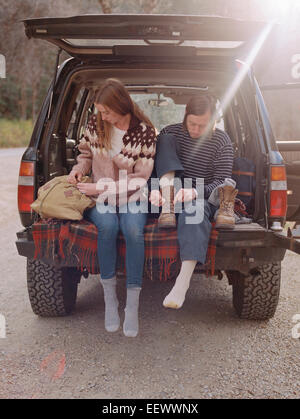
240,249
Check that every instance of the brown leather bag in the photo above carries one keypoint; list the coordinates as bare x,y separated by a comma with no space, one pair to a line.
60,199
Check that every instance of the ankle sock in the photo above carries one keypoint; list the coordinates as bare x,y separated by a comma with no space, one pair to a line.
131,321
112,319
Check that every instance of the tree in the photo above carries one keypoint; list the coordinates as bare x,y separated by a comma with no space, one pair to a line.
30,66
28,61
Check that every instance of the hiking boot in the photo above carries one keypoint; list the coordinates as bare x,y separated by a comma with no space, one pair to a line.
167,218
225,217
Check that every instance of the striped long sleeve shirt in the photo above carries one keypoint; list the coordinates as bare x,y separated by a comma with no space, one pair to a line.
210,158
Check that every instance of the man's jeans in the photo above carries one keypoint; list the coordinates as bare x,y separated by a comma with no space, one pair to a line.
132,227
193,238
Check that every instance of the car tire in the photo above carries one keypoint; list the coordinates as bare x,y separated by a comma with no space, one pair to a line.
256,295
52,291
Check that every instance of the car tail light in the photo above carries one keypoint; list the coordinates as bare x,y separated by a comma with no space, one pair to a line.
26,186
278,193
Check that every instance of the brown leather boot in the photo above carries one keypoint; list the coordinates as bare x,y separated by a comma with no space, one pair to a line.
225,217
167,218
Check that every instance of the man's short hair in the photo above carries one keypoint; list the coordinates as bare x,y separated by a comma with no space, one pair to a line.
199,105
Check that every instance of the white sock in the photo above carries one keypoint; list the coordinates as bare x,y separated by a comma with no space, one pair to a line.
112,319
176,297
131,322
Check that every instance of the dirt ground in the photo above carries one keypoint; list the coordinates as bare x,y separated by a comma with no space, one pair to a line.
200,351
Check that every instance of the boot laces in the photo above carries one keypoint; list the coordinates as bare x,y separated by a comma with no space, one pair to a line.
227,207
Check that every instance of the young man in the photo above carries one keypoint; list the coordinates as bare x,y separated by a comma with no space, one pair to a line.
193,149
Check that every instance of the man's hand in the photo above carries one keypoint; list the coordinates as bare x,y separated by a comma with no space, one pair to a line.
185,195
156,198
74,176
88,188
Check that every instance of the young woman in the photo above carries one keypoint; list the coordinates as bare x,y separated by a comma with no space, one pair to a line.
119,140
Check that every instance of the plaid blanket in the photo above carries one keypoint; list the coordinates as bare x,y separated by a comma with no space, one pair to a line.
63,241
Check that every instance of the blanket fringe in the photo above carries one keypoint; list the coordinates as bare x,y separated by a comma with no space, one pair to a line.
168,269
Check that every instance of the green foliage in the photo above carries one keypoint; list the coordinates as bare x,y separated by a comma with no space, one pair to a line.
15,133
43,87
10,92
9,96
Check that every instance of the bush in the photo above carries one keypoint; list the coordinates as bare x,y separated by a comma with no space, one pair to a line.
9,98
15,133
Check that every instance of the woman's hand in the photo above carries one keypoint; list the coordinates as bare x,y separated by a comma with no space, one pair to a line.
74,176
88,188
185,195
156,198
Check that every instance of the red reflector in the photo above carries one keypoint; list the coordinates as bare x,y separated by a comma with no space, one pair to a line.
278,203
25,198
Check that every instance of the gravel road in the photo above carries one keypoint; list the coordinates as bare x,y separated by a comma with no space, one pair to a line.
201,351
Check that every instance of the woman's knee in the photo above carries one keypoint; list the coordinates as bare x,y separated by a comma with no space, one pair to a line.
106,223
132,229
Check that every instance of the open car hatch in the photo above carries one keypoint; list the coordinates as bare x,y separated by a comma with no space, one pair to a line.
97,34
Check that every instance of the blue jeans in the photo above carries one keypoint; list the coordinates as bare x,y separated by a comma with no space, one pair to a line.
193,238
132,227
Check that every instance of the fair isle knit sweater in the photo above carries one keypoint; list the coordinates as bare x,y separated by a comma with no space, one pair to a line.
126,173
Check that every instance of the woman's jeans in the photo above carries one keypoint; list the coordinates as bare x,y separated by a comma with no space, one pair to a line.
193,237
132,227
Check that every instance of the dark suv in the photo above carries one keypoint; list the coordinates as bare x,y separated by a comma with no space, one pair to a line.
163,61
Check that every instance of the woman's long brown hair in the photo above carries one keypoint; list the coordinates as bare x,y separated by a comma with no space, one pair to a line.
114,95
